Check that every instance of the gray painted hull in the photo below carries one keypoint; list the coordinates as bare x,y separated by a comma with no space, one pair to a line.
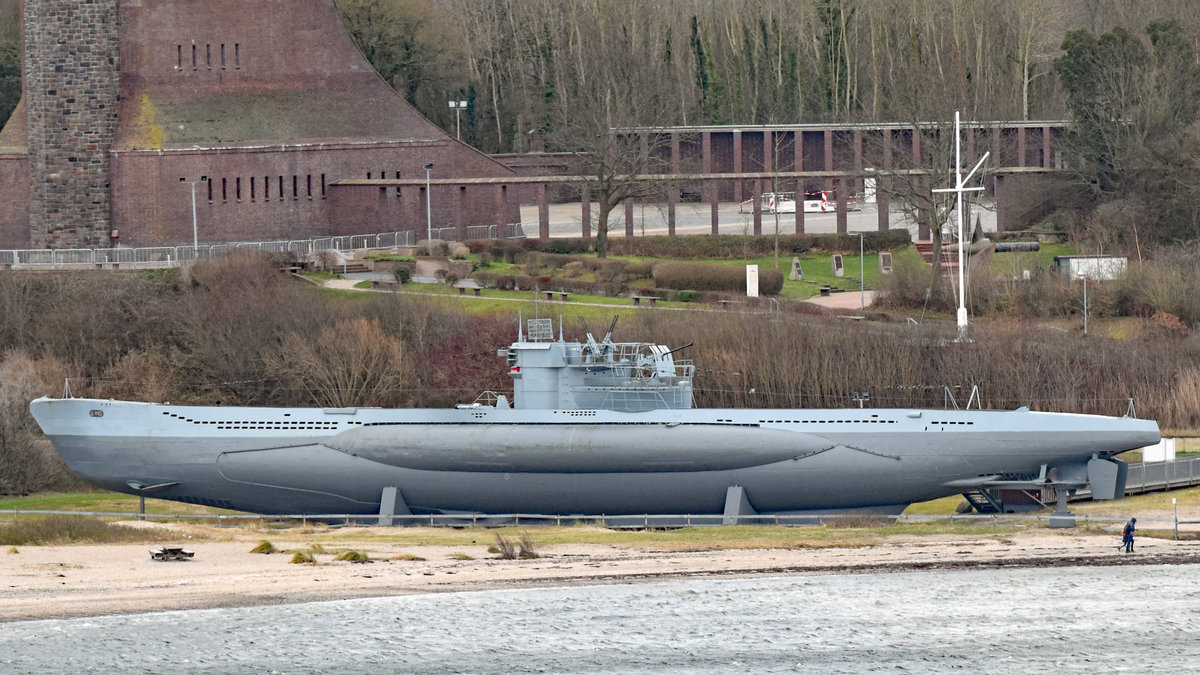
491,460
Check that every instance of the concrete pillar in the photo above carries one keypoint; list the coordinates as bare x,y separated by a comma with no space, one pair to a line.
460,222
883,199
673,192
1021,160
856,184
757,202
996,159
585,198
798,166
543,212
1047,149
710,188
737,165
828,157
501,212
714,205
768,163
628,217
842,187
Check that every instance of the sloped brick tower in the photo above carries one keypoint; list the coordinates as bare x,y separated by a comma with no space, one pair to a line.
269,100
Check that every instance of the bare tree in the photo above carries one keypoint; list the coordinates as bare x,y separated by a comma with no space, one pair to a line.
350,363
613,113
913,179
27,463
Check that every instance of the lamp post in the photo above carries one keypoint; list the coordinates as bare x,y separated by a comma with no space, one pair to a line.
457,106
195,237
428,209
1083,278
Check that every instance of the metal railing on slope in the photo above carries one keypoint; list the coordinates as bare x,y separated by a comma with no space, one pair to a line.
167,256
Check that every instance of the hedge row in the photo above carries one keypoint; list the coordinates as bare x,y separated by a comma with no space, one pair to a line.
707,277
702,246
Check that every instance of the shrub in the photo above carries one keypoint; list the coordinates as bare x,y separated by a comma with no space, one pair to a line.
504,547
526,549
573,269
403,274
302,558
770,282
50,530
353,556
610,270
505,282
687,296
733,246
459,251
264,547
556,260
699,276
638,271
433,247
451,278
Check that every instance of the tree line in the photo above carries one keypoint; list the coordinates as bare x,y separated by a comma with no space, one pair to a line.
526,66
561,74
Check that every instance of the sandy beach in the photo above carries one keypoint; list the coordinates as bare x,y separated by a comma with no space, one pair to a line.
40,582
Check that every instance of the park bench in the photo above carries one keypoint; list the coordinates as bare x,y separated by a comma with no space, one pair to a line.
465,284
650,299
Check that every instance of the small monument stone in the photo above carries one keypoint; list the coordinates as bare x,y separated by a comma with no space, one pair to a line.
797,273
838,269
885,262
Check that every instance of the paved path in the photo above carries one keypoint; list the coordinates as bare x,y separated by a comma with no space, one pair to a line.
847,300
566,220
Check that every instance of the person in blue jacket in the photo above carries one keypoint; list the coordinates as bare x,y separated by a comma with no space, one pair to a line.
1127,535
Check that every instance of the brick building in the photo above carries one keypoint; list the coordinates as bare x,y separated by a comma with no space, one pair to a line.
128,104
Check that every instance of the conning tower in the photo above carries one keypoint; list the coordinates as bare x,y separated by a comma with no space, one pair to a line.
605,375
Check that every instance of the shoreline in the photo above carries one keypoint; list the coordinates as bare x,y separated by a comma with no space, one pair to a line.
90,580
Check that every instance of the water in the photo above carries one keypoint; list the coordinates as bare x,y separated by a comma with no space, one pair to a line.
1019,620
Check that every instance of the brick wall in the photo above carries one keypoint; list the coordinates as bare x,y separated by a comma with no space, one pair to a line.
286,191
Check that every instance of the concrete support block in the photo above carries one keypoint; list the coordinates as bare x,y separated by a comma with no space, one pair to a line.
391,503
736,505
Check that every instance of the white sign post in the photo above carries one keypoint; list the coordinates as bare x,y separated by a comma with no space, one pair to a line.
752,281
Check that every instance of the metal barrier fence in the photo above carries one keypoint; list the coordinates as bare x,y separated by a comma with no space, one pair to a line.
1151,476
644,521
161,256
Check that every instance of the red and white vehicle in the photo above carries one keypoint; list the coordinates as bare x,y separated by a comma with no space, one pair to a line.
822,201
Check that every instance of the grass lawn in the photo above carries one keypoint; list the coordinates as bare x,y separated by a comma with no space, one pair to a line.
817,268
101,501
